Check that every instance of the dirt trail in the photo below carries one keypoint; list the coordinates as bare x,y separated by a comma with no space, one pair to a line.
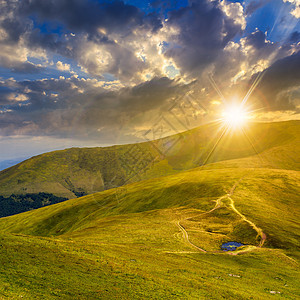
219,203
186,237
257,229
184,232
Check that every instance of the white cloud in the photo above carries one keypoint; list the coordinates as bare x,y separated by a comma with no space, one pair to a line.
63,67
21,97
296,11
235,12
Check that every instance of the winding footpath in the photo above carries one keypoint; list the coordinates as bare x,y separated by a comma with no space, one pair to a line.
219,203
257,229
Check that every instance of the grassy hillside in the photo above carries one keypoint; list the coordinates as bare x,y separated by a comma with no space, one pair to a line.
160,238
273,191
76,172
128,243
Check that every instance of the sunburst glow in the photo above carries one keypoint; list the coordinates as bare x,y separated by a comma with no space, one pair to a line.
235,116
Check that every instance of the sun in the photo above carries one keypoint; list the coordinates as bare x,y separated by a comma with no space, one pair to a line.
235,116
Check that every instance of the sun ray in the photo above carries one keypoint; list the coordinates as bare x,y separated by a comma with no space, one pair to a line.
214,85
252,145
250,142
215,145
253,87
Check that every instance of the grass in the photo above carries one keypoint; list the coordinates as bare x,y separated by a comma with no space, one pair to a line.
125,243
125,264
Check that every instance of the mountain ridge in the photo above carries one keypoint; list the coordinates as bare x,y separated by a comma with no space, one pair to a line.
79,171
162,237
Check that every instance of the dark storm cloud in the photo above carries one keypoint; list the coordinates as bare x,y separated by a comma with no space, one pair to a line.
26,68
205,30
257,39
262,48
280,82
89,15
20,67
149,95
295,37
66,111
15,28
4,95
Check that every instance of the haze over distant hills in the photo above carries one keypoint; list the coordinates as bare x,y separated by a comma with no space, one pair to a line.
4,164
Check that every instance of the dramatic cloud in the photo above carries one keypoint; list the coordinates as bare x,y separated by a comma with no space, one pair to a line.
281,83
78,107
86,68
201,32
97,27
92,17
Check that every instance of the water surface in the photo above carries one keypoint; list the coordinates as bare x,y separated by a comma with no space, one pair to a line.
231,246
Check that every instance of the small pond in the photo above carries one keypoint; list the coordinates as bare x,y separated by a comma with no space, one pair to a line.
231,246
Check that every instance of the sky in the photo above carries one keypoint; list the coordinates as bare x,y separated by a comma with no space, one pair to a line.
76,73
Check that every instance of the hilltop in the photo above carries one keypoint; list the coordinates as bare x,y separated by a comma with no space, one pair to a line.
80,171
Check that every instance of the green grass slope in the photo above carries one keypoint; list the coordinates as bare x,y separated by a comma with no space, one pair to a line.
268,197
75,172
128,242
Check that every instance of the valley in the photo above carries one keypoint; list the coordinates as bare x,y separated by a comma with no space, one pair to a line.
161,237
